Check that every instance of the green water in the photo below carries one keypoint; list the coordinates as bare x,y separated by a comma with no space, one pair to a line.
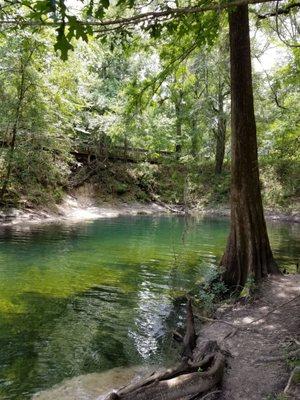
88,297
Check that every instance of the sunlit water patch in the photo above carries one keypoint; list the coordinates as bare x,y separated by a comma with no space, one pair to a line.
85,298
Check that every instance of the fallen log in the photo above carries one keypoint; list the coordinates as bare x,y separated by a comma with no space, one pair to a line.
200,371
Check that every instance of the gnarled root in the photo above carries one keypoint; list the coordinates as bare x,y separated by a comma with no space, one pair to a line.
200,371
183,382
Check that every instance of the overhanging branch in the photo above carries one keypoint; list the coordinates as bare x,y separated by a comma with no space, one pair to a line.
281,11
142,17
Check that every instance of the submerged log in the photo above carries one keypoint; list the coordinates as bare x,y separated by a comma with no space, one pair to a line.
200,371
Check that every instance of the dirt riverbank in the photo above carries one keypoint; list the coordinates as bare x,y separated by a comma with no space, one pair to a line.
81,208
267,333
75,210
261,339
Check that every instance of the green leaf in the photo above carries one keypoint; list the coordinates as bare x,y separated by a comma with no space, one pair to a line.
76,29
100,12
105,3
43,5
40,8
155,31
62,43
90,8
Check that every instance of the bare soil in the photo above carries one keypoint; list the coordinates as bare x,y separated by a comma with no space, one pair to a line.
76,210
258,367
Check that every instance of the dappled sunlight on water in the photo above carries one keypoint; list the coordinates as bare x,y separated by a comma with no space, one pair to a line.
84,298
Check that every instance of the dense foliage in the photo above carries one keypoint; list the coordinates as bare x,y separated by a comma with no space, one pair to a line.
160,87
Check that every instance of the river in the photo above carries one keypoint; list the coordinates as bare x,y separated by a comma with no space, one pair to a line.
79,298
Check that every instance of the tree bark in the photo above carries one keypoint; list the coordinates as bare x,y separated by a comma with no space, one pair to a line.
178,113
195,138
248,249
220,145
220,133
200,370
24,62
15,127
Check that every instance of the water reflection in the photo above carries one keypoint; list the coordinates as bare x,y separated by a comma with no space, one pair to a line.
152,309
85,298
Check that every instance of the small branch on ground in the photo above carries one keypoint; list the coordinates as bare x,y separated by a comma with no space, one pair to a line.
291,354
177,336
214,320
237,328
221,321
275,309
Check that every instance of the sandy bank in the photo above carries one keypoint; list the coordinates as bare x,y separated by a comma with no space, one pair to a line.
93,386
75,210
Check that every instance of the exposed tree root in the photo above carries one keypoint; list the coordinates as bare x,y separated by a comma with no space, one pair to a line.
208,395
190,338
221,321
293,380
200,371
231,333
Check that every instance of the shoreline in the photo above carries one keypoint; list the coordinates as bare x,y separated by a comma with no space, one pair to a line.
270,215
74,210
248,332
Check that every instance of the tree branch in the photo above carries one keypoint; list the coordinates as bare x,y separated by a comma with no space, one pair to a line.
278,32
284,10
139,18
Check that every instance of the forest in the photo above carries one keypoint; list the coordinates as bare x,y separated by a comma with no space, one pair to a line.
155,91
180,118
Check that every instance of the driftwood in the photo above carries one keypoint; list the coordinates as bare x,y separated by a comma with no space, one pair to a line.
200,370
154,198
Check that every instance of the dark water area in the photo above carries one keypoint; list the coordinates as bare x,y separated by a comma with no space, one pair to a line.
87,297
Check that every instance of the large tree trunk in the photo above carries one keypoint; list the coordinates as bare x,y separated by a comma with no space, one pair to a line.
220,133
248,248
220,144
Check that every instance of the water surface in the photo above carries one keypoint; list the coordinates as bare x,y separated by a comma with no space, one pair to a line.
87,297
